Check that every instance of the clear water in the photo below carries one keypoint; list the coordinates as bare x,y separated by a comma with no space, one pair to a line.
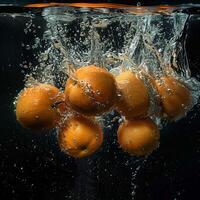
150,42
53,42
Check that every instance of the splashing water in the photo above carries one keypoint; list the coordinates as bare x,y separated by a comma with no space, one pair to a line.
151,42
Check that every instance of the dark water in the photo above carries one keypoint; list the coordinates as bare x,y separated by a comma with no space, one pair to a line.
33,167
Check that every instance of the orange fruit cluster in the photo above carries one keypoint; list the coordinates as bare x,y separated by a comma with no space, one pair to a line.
92,91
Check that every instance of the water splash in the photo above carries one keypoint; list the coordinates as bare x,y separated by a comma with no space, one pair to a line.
152,42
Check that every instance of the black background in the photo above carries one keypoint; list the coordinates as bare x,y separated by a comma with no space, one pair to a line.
32,166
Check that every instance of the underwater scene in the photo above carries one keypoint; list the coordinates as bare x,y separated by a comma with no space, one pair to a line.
99,101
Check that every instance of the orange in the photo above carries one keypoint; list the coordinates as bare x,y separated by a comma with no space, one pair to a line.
134,101
99,5
80,137
92,91
175,96
87,5
40,107
138,137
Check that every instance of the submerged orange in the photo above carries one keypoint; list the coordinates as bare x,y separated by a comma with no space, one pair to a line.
91,91
80,137
138,137
134,100
175,96
40,107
